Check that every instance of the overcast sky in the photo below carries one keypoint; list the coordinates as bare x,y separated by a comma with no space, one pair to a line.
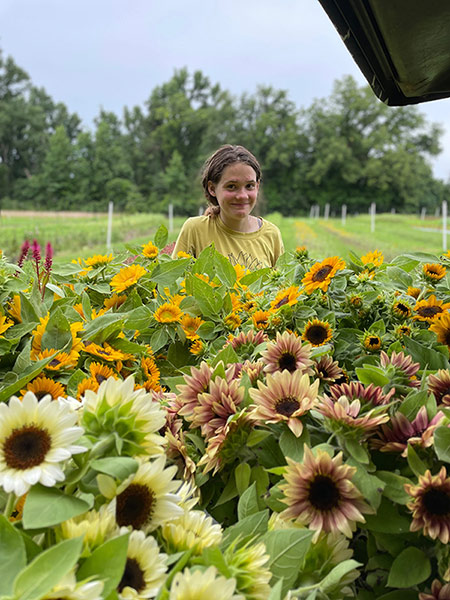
93,54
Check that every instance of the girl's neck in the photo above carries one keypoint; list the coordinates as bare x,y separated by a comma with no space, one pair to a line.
248,225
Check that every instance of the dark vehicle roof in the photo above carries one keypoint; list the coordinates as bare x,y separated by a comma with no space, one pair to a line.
401,46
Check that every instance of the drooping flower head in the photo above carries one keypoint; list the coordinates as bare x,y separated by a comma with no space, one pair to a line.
327,369
284,398
36,438
371,394
195,384
319,493
320,274
202,585
288,296
287,352
430,505
439,386
193,530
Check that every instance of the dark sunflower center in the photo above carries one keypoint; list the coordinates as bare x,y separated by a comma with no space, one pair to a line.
323,493
403,308
26,447
373,341
134,506
39,395
437,502
287,406
54,363
429,311
100,378
287,361
322,273
133,576
281,302
317,334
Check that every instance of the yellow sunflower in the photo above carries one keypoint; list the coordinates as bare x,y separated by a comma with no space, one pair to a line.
287,296
196,346
260,319
190,325
62,360
89,383
101,372
374,258
317,332
372,341
14,309
441,328
320,274
168,313
413,291
232,321
5,323
115,301
98,260
37,334
150,250
41,386
429,310
127,277
434,271
182,254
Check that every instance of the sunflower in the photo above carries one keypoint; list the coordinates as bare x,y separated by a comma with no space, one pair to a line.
114,301
98,260
106,352
127,277
68,588
374,258
345,417
401,370
41,386
248,564
439,386
286,397
414,292
193,530
254,370
14,309
317,332
145,568
216,406
401,310
34,438
433,271
190,325
147,499
150,250
438,592
96,527
319,493
202,585
327,369
402,331
430,505
244,343
430,310
372,395
288,296
196,346
5,324
61,360
372,342
287,352
36,344
151,374
232,321
441,328
168,313
101,372
320,274
260,319
195,384
182,254
88,383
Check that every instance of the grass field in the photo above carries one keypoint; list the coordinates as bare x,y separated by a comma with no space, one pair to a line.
82,236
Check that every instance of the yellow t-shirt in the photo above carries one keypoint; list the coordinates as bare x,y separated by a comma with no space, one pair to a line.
251,250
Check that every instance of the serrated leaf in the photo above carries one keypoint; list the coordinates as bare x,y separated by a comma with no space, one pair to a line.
165,274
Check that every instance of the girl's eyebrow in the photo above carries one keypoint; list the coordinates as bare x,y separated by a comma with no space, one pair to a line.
238,180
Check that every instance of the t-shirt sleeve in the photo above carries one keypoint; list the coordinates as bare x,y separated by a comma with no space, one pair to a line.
278,245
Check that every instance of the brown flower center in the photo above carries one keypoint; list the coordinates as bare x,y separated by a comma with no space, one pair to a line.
402,308
429,311
373,341
132,577
323,493
316,334
281,302
26,447
287,406
322,273
437,502
54,363
287,361
134,506
100,378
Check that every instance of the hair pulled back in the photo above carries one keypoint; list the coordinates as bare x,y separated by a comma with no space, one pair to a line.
215,165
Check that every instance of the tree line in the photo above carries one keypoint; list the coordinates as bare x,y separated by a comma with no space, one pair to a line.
348,148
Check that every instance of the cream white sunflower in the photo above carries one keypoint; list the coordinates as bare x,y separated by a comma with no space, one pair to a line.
96,527
36,438
146,499
139,415
71,589
202,585
193,530
145,569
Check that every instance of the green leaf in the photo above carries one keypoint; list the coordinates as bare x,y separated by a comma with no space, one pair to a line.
248,502
229,492
370,485
277,591
227,355
165,274
387,519
371,374
161,236
242,477
12,551
107,562
357,450
47,569
254,276
410,405
331,581
224,270
57,334
119,467
411,567
33,371
399,595
427,357
442,443
45,507
287,549
159,339
210,302
247,528
417,465
100,329
291,445
394,488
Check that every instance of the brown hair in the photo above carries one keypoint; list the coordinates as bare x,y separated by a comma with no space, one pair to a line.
215,165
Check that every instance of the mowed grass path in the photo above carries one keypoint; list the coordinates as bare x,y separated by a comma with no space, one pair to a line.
83,236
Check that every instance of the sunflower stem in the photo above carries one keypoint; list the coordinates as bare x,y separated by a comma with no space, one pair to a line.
9,505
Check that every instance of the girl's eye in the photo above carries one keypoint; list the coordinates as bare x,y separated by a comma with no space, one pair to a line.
251,186
230,187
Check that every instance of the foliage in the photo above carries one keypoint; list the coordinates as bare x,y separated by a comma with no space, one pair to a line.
273,434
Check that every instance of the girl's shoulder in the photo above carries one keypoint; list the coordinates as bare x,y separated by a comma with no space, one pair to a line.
195,222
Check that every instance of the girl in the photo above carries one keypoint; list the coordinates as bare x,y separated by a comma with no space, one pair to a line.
231,178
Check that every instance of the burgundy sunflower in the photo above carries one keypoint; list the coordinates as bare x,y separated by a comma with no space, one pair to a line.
319,493
438,592
287,352
216,406
430,505
286,397
327,369
400,432
371,394
320,274
196,383
343,416
439,386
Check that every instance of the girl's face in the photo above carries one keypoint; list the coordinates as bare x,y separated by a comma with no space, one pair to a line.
236,193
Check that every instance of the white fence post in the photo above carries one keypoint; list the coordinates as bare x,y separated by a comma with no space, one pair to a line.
423,212
170,218
344,214
311,211
317,211
444,225
109,229
372,216
326,213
